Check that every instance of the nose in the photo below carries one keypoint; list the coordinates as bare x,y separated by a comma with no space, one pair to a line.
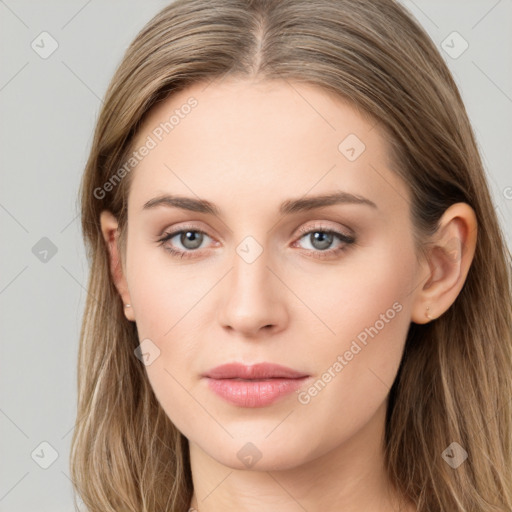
252,298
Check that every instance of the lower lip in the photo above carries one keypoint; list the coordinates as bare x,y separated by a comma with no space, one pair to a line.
254,393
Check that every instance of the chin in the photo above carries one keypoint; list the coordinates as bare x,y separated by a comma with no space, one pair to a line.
261,454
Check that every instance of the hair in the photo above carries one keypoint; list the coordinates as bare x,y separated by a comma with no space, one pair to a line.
454,383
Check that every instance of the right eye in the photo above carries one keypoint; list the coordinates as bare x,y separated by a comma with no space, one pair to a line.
190,239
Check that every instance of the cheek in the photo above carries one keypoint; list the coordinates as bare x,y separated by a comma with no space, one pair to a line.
164,294
167,302
365,315
351,297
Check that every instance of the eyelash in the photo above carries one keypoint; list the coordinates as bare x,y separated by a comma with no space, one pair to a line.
347,239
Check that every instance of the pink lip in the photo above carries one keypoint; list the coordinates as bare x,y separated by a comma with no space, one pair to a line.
262,383
255,371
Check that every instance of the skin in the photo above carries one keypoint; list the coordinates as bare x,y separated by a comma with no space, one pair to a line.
247,147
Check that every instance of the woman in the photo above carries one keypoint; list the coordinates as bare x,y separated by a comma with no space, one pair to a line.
299,295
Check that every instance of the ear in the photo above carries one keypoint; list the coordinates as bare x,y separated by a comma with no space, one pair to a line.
450,254
109,228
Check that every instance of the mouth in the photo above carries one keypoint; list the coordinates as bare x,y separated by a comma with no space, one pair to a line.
257,385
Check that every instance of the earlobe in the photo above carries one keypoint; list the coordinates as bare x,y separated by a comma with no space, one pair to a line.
109,229
450,254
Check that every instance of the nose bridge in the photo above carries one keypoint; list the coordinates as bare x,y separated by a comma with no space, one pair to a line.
250,277
251,298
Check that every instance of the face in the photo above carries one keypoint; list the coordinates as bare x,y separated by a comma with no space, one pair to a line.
267,274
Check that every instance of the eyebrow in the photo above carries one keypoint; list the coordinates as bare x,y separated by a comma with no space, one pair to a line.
287,207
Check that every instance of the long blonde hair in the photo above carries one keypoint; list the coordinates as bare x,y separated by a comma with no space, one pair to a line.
454,383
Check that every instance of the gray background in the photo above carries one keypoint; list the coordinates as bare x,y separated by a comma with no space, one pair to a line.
48,107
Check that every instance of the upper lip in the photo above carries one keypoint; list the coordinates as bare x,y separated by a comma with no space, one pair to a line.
255,371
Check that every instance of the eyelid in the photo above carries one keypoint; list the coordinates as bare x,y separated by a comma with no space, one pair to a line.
181,227
303,230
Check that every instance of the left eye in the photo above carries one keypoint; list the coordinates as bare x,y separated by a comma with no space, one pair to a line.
321,240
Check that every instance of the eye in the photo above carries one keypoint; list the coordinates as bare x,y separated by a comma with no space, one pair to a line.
321,238
190,239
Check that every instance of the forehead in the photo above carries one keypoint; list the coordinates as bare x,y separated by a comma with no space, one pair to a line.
260,139
241,107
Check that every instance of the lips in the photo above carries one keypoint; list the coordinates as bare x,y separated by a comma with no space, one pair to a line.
258,371
257,385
